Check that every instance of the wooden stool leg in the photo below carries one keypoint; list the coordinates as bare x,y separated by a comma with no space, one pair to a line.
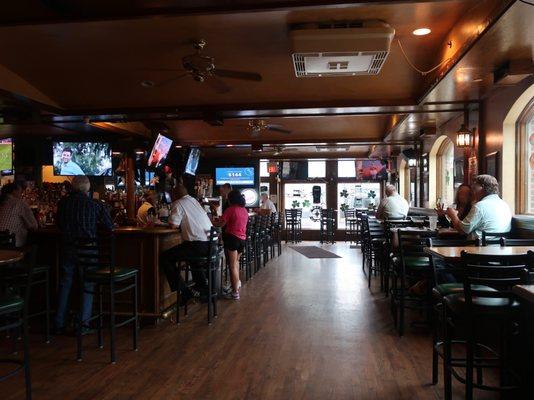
112,328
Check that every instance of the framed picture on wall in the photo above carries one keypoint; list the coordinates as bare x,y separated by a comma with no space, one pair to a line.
492,164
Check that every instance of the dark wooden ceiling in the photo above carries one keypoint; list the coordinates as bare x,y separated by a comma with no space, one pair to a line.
90,59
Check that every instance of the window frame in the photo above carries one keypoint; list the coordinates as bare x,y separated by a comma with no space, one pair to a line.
522,189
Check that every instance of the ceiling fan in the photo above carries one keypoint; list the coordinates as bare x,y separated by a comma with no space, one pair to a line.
257,126
202,68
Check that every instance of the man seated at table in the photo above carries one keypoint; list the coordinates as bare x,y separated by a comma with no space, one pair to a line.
195,225
267,206
394,206
16,216
490,213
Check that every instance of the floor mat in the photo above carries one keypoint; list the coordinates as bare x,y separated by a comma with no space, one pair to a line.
314,252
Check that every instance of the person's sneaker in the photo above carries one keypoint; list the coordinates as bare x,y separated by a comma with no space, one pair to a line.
235,295
231,295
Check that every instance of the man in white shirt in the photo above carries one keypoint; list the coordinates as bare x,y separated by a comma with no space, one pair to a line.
267,204
188,215
490,213
394,206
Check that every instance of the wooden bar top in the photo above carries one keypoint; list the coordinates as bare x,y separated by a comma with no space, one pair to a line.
524,292
122,230
454,253
10,256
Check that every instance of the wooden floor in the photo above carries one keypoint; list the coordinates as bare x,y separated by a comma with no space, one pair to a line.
303,329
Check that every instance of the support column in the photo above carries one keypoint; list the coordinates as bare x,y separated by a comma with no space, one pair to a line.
130,186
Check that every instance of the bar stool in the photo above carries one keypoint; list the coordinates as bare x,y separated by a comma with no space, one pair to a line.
293,225
276,231
468,309
14,316
209,263
18,277
351,226
327,226
95,260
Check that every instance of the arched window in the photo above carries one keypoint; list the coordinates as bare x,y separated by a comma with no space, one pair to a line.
445,172
526,140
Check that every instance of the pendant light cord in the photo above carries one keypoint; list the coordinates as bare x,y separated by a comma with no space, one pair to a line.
423,73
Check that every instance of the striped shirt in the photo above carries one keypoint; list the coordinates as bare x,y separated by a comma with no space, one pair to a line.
17,218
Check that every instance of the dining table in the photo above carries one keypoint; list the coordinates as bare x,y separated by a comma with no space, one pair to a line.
10,256
454,253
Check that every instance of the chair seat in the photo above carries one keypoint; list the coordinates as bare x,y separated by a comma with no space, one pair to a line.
445,289
10,304
104,274
416,262
481,305
20,271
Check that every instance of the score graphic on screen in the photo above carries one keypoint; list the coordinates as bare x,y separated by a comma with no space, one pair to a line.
239,176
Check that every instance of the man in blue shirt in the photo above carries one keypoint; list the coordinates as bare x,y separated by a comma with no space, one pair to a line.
69,167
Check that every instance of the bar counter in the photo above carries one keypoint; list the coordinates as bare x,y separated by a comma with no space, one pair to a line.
135,247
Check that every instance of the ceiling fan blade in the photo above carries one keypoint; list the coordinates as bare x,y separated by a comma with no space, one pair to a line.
171,80
246,76
218,85
278,128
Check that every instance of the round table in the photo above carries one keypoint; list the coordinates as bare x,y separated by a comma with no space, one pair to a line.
10,256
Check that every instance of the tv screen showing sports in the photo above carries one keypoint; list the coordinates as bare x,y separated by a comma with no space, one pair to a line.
371,170
6,156
192,161
159,151
239,176
82,158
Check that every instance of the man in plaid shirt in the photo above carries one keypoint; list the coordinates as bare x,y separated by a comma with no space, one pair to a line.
15,215
78,217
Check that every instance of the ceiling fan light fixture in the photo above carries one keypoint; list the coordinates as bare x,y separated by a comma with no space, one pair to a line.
421,31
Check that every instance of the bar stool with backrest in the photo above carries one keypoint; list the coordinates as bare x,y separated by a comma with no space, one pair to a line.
293,225
413,265
471,308
209,263
17,277
276,229
14,317
96,263
441,289
327,226
351,225
373,239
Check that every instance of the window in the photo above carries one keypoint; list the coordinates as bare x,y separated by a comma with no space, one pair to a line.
264,173
527,141
316,169
310,197
355,195
445,173
346,169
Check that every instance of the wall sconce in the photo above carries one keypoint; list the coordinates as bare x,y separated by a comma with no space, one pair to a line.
464,137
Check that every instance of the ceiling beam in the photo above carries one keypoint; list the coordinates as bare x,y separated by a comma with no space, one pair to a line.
33,12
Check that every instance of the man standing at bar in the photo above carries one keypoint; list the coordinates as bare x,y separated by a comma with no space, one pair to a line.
195,225
78,217
490,213
394,206
69,167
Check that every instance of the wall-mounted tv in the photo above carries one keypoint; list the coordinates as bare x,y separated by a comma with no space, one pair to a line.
238,176
371,170
82,158
192,161
160,150
6,156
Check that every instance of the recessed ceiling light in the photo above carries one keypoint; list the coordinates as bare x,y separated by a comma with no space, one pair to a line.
147,84
421,31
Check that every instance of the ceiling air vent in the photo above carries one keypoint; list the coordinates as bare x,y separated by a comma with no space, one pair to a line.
341,48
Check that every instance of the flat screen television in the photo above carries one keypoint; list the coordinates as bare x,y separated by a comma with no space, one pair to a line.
371,170
160,151
192,161
6,156
238,176
82,158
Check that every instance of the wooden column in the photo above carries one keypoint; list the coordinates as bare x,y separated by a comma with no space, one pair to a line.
130,186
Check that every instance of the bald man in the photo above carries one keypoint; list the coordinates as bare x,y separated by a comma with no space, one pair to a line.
188,215
394,206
